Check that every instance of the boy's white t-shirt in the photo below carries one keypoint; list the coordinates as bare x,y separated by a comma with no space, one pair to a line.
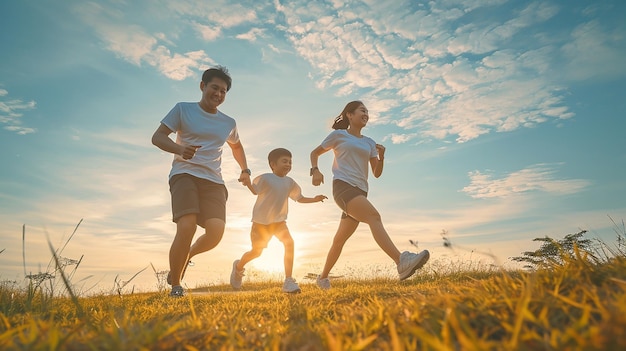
272,194
352,156
194,126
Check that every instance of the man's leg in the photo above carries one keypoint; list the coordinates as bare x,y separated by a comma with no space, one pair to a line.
214,231
179,251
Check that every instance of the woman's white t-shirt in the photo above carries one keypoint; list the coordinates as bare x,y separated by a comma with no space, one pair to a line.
194,126
272,194
352,156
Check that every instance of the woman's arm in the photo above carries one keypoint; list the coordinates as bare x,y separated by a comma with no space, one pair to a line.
378,162
318,177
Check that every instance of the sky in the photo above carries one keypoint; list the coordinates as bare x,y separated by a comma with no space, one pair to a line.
503,122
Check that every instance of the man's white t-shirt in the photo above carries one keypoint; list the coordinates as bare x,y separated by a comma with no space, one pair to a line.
272,195
194,126
352,156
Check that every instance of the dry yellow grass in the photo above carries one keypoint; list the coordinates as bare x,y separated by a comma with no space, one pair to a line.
577,306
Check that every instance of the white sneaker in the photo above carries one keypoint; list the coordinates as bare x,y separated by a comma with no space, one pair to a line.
290,286
410,262
236,276
323,283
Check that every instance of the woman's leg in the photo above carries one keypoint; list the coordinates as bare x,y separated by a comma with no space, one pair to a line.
347,226
362,210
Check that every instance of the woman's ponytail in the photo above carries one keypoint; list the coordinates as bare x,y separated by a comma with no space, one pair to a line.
341,121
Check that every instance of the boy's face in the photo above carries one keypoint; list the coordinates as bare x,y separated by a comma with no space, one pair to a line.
213,92
282,166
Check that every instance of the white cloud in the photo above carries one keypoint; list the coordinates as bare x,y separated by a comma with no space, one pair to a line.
442,92
595,52
251,35
133,44
208,33
221,13
12,111
538,177
453,68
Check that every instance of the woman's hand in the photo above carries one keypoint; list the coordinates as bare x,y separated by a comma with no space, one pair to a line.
381,151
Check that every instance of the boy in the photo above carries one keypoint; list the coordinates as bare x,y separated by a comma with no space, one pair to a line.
195,180
269,215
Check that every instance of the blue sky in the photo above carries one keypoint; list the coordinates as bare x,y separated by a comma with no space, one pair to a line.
503,122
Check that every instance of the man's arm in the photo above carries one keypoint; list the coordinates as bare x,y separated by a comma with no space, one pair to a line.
161,139
240,156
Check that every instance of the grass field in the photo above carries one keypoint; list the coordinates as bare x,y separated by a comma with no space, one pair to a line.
577,305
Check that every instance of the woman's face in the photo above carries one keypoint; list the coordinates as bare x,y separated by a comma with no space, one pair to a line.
359,117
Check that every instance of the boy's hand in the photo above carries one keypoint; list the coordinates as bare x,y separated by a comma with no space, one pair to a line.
244,179
189,151
320,198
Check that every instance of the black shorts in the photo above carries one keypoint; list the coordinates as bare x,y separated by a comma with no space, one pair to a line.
343,193
203,197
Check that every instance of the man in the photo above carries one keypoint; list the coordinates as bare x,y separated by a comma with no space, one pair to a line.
196,185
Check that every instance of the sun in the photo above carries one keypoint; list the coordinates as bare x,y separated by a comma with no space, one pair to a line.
271,260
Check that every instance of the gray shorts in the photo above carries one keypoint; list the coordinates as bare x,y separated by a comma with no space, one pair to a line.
343,193
203,197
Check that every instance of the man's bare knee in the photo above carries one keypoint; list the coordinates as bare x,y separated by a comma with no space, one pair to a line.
186,225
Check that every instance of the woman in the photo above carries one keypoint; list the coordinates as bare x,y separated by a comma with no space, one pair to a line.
352,152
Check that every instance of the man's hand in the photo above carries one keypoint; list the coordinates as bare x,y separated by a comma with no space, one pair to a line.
189,151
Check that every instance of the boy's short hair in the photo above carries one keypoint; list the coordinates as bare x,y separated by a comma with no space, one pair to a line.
220,72
275,154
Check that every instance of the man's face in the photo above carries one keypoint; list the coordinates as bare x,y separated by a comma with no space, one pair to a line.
213,92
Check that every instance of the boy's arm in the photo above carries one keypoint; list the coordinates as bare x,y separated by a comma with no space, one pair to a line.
252,190
309,200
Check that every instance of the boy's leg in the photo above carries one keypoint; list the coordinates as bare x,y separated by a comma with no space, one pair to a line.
283,234
179,251
259,238
260,235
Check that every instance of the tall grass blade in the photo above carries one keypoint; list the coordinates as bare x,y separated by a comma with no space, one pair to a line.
24,247
68,286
